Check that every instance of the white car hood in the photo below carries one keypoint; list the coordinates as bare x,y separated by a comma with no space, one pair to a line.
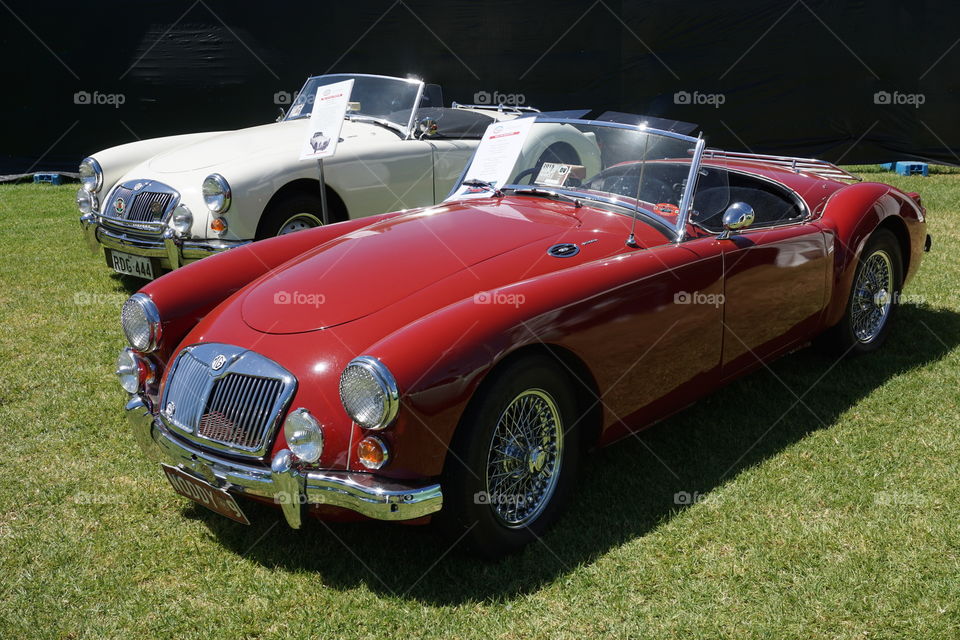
229,147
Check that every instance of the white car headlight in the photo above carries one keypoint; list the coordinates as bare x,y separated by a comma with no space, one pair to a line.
86,201
141,322
91,175
369,393
216,193
181,221
304,435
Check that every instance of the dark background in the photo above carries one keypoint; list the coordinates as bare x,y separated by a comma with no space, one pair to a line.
798,78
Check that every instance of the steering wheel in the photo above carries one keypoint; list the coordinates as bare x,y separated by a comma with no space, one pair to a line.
526,173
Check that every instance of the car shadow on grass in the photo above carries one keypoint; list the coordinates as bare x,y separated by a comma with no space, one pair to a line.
127,284
626,490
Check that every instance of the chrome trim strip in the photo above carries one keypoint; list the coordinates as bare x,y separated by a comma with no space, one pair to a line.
499,108
817,167
366,494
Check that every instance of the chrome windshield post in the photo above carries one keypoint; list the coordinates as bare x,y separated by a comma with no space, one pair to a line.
686,202
411,123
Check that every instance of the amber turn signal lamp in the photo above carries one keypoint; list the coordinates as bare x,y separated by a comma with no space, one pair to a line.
373,452
218,224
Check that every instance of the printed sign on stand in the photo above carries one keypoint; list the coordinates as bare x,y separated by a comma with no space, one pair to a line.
495,158
326,120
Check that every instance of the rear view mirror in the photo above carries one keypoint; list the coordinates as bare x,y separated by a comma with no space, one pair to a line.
737,217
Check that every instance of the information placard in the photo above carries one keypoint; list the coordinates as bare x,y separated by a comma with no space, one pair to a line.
496,156
326,120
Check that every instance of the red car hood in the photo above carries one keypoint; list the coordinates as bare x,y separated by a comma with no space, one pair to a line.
370,269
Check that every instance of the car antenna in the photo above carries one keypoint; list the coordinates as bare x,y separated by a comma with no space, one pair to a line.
632,240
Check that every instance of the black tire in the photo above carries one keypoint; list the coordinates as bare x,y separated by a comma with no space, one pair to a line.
478,505
851,335
306,207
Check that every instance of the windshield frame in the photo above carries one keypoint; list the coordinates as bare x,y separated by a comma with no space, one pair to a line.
406,132
686,202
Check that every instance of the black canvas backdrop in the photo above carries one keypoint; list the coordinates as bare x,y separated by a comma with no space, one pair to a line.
801,78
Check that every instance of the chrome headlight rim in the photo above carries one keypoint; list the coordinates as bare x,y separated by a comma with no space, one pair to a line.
303,421
219,196
91,183
151,315
388,387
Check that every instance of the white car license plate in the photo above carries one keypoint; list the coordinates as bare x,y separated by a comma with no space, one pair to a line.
125,263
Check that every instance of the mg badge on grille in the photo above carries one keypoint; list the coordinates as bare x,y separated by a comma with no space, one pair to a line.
119,205
218,362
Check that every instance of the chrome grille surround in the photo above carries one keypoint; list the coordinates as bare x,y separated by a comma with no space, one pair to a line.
147,207
226,398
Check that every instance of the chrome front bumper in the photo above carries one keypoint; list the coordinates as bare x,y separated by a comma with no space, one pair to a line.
283,483
173,252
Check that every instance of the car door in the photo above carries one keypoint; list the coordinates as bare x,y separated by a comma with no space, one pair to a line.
774,276
656,340
449,159
385,175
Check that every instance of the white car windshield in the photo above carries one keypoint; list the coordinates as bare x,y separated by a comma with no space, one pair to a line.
390,101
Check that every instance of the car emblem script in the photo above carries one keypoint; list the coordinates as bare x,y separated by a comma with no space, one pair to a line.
218,362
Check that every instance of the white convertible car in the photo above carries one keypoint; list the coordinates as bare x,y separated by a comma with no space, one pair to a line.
157,204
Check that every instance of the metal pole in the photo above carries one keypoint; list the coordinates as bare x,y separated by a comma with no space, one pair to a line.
323,195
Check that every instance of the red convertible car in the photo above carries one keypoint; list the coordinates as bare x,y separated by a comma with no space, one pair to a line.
453,363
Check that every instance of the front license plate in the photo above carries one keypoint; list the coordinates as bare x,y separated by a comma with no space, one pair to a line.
130,265
216,500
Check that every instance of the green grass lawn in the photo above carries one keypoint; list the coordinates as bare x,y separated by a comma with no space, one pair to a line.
835,517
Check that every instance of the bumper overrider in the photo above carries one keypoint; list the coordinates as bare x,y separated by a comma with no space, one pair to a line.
167,247
283,482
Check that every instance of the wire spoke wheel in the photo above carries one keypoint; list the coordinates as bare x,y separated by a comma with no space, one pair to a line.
524,458
872,297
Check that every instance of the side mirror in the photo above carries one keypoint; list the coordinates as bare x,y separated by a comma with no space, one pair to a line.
426,128
737,217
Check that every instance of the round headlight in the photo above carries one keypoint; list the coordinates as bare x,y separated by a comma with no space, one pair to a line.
181,221
304,435
141,322
86,201
91,175
369,393
216,193
133,371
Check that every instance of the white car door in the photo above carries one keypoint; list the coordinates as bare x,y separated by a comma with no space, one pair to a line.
388,177
449,159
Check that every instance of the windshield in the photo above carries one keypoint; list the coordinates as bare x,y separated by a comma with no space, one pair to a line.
622,167
387,100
